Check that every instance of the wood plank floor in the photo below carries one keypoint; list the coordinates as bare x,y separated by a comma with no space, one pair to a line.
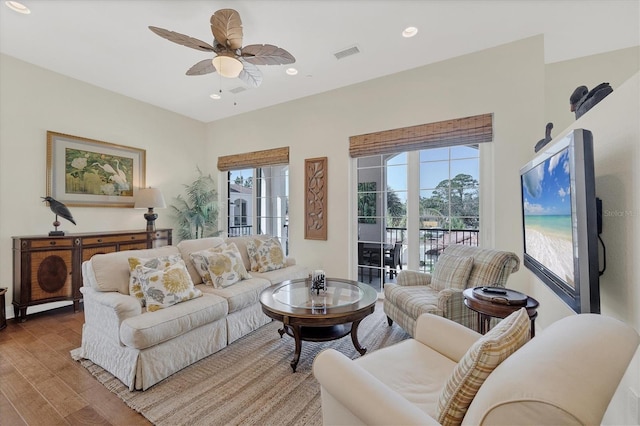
41,385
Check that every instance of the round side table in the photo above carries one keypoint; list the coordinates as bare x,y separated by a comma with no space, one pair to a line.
499,305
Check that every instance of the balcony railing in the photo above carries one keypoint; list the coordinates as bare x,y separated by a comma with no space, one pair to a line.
239,231
433,241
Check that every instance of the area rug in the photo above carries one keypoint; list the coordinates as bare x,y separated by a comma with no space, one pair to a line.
250,382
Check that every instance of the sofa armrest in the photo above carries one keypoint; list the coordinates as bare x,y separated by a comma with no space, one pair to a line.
350,394
107,310
445,336
411,278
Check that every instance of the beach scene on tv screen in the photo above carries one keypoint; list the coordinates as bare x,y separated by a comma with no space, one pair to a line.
547,215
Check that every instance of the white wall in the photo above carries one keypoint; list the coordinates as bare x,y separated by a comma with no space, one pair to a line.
507,81
35,100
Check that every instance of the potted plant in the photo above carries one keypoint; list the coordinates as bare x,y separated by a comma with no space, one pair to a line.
196,214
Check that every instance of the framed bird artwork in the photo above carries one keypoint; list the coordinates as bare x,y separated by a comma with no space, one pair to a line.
88,172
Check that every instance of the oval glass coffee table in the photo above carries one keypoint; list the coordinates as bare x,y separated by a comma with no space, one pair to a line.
313,317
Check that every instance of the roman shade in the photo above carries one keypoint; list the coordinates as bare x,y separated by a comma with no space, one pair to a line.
459,131
254,159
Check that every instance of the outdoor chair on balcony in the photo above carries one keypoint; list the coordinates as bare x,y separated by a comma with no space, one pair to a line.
458,267
393,259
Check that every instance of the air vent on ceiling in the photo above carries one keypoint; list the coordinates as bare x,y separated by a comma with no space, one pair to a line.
237,90
347,52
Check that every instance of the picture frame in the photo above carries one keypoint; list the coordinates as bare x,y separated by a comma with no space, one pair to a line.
315,179
91,173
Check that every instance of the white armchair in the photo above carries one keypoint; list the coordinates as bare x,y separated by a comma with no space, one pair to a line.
458,267
558,377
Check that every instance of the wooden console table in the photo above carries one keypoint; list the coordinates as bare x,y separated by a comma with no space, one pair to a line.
48,269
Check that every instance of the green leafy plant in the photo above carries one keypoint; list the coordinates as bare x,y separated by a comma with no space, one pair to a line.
196,214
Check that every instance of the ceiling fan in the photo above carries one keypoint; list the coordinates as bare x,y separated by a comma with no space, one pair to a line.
231,60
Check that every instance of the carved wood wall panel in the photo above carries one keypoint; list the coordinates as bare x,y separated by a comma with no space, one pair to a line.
315,207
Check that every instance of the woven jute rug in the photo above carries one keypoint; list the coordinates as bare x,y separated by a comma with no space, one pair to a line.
250,382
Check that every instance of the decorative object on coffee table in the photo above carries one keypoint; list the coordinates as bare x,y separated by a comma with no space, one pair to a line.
316,198
150,198
304,317
498,302
60,210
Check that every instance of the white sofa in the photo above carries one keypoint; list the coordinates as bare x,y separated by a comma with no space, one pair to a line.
565,375
142,348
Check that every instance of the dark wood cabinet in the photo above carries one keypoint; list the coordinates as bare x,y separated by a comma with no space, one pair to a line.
48,269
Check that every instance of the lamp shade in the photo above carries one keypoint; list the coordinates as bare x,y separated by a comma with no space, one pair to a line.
149,198
227,66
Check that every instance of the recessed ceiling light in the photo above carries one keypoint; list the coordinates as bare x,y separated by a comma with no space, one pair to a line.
18,7
409,32
215,96
292,71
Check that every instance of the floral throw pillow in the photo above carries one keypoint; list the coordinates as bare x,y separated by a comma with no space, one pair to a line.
135,288
226,268
166,287
265,255
199,259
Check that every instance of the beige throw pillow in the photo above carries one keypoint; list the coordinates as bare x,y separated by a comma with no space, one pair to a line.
265,255
476,365
451,272
199,260
161,262
166,287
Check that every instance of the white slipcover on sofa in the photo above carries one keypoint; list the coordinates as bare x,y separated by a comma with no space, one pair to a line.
565,375
140,347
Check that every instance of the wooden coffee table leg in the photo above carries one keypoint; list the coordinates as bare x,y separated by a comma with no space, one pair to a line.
298,340
354,337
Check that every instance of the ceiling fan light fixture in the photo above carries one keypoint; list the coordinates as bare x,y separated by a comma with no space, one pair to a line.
409,32
18,7
215,96
291,71
227,66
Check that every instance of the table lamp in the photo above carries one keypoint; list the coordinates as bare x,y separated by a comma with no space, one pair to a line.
149,198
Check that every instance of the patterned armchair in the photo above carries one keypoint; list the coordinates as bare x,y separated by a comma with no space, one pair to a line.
458,267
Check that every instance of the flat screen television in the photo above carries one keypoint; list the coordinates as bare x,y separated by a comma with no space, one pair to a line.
560,220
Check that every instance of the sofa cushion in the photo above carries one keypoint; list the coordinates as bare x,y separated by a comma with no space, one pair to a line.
226,267
288,273
265,255
480,360
451,272
135,287
166,287
152,328
240,295
111,270
186,247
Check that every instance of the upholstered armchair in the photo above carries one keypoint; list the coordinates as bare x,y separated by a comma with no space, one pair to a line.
440,293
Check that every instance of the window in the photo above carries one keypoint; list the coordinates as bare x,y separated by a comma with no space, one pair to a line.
443,194
258,202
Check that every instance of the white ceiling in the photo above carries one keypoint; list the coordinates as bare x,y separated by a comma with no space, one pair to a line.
107,43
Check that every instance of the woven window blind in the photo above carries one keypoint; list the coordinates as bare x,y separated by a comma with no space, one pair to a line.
460,131
254,159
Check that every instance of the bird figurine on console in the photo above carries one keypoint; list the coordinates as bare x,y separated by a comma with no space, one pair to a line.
60,210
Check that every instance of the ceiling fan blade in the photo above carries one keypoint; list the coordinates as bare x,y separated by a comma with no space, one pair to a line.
203,67
266,54
250,74
226,27
182,39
